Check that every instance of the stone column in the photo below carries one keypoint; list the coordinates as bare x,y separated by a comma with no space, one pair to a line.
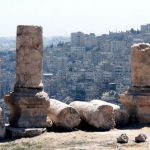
141,65
2,124
29,48
137,98
28,102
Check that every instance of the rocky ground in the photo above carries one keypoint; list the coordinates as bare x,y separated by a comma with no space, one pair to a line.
80,140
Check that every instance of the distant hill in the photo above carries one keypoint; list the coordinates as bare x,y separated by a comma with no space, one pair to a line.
55,40
9,43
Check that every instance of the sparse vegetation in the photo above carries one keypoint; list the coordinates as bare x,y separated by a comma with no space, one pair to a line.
79,140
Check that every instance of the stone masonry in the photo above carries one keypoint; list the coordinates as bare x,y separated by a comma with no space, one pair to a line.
28,102
137,98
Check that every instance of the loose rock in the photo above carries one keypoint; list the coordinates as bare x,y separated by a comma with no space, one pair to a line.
140,138
123,138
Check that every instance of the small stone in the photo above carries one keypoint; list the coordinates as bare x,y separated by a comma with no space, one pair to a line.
123,138
140,138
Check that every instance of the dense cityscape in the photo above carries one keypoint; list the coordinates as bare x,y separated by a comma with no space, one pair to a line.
82,67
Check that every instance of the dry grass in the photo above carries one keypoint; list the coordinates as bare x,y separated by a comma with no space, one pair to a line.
80,140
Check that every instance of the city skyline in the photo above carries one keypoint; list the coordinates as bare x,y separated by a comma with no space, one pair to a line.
60,18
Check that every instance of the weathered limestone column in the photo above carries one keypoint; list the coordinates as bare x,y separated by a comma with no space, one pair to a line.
141,65
28,102
29,49
137,98
2,124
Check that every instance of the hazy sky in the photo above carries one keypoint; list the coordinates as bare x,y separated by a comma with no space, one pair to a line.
61,17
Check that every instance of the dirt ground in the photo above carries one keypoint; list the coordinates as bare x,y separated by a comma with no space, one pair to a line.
80,140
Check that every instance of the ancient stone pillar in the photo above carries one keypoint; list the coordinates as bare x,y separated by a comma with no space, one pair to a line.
141,65
137,98
28,102
29,48
2,124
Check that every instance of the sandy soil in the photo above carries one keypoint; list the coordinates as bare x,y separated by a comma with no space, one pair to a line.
80,140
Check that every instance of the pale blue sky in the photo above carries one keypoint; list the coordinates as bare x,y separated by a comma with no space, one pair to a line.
61,17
